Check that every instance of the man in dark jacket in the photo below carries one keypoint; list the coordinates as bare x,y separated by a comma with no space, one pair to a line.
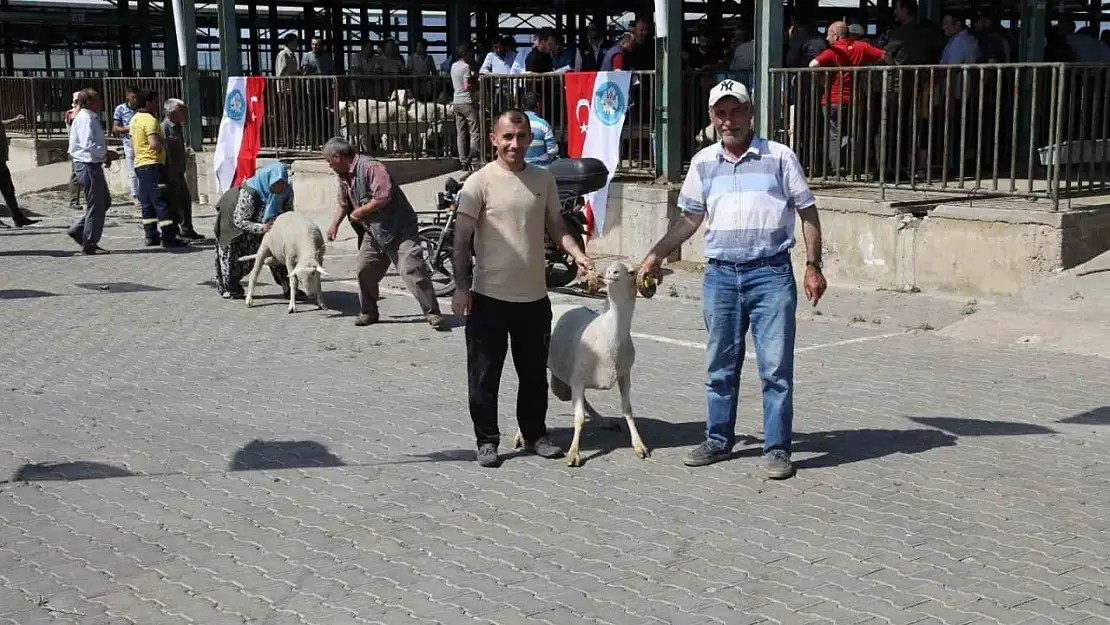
593,50
178,197
385,223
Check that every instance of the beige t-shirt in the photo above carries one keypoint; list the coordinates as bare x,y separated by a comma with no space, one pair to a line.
509,238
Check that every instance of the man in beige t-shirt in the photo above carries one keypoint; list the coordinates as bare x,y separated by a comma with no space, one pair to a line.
505,209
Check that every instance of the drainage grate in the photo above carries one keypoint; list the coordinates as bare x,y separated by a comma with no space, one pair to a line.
118,287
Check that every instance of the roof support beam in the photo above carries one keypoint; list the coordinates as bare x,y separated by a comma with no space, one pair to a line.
768,55
668,91
231,62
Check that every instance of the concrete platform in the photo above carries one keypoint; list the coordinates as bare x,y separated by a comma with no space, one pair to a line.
931,240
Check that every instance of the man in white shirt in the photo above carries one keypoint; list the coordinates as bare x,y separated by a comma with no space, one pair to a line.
89,152
498,60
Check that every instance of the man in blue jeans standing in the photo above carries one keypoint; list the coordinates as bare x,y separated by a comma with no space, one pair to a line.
750,188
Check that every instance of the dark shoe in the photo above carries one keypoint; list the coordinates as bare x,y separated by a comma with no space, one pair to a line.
705,454
364,319
487,456
193,235
78,238
19,223
544,448
152,242
174,243
777,464
436,321
94,250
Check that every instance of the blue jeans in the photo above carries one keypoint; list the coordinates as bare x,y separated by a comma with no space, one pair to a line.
156,214
763,296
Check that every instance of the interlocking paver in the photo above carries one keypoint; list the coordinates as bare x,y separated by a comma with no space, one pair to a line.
175,458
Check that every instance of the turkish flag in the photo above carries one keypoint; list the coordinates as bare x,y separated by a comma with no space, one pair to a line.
580,91
252,130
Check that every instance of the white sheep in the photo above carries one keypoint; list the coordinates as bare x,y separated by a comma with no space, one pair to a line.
295,241
594,351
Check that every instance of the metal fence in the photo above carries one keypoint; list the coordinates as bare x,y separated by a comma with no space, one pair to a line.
394,116
1031,130
637,149
44,101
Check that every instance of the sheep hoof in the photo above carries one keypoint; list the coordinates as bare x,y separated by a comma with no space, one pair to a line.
573,459
250,301
642,452
292,309
518,440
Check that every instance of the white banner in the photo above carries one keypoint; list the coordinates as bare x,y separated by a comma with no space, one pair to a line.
597,102
226,157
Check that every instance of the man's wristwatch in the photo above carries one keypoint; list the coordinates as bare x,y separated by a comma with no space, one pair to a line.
816,264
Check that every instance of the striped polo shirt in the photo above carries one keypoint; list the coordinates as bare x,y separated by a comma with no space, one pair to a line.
543,148
749,203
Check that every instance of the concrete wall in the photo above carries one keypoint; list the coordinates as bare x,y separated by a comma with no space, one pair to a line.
316,185
25,153
969,248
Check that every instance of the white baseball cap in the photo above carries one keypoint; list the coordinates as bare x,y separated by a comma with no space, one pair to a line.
729,88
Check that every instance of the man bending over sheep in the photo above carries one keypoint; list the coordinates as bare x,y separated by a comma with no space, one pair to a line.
749,281
504,210
386,225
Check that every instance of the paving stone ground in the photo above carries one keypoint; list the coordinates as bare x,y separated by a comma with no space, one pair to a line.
231,466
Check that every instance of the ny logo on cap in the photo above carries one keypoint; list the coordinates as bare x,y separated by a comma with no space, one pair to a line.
726,85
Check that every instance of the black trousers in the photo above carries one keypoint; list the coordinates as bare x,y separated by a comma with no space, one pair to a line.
7,191
490,329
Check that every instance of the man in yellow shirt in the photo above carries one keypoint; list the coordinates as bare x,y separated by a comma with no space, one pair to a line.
149,146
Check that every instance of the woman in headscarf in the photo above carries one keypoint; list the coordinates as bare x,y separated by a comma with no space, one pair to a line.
244,214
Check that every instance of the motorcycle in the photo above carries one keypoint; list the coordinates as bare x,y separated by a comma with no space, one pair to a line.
574,179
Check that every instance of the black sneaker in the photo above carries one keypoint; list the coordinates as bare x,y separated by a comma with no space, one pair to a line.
706,454
487,456
175,242
94,250
192,235
152,242
777,464
544,448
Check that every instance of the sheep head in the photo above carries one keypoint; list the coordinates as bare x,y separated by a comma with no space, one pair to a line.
620,281
309,271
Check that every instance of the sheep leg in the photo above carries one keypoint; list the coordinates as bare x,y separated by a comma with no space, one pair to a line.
292,287
578,397
259,259
625,384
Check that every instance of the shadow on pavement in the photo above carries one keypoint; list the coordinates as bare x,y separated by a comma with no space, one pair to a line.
1097,416
68,471
7,294
259,455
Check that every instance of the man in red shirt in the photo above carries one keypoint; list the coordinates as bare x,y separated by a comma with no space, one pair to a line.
838,100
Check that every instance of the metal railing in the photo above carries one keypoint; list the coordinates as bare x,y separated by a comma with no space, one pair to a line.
389,116
637,149
44,101
1029,130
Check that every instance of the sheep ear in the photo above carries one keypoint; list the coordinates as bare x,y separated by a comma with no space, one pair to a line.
321,271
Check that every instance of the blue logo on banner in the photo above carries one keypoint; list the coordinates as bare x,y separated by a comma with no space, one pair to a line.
609,104
235,107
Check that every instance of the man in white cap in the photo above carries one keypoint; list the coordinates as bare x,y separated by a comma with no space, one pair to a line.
746,189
